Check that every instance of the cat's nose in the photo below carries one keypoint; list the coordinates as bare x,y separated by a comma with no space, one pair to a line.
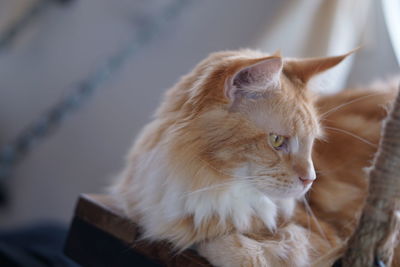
306,180
305,171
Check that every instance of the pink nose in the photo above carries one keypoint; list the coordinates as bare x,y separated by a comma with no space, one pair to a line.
306,181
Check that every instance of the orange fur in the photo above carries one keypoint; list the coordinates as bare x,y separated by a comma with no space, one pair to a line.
203,172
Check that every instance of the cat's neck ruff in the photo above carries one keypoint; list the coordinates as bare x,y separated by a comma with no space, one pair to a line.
236,204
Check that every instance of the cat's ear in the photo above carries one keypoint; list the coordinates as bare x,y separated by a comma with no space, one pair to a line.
304,69
254,80
277,53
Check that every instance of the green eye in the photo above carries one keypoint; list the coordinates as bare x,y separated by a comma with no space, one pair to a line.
277,141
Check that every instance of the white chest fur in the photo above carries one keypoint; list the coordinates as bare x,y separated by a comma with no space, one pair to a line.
161,196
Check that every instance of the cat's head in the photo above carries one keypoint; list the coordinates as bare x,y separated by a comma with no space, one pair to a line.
256,119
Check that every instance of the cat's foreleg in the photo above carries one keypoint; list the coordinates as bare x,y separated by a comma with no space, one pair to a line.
289,247
233,250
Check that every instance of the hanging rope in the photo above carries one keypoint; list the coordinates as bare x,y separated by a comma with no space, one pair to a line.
374,240
17,149
32,12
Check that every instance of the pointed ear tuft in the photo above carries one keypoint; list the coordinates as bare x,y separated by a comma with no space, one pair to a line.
305,69
277,53
254,80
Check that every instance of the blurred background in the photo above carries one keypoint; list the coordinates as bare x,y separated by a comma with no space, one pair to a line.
67,42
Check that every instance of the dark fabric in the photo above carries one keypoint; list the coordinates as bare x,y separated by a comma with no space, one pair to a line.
91,246
34,246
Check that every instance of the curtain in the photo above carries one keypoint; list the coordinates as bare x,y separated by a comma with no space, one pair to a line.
319,28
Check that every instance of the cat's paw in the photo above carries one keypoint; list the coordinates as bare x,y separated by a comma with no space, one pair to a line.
233,251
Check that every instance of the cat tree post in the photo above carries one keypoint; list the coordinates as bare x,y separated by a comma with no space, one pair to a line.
376,235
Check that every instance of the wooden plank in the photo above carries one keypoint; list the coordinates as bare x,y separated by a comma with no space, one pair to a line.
91,246
100,211
101,236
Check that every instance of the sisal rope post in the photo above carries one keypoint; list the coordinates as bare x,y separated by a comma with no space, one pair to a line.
375,238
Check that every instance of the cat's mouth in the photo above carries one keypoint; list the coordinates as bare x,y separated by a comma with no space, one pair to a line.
306,188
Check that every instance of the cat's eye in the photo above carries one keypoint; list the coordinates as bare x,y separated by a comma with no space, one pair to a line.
277,141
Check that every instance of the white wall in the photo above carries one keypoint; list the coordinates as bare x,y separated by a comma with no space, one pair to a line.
65,44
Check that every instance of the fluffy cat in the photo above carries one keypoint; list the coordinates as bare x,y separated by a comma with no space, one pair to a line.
227,156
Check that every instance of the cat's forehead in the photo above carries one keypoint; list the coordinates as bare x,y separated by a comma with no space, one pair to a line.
290,118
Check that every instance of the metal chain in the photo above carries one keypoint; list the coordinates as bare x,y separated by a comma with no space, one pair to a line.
18,148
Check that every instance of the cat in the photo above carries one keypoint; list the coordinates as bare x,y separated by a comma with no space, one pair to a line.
227,157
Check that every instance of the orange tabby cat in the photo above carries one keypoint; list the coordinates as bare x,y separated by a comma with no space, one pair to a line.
228,155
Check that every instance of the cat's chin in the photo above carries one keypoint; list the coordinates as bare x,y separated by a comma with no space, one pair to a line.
291,193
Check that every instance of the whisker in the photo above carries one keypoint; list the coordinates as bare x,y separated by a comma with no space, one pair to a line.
215,169
323,115
248,179
265,172
328,120
352,135
308,221
337,168
307,206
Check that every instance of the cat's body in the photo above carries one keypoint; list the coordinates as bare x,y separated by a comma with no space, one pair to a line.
226,157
